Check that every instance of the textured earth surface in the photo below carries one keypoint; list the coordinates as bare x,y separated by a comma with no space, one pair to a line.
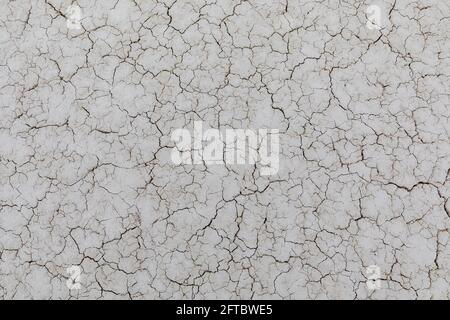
86,177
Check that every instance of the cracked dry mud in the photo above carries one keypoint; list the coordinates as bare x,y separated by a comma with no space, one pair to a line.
87,179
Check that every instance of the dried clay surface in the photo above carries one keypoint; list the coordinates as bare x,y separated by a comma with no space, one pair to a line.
89,193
